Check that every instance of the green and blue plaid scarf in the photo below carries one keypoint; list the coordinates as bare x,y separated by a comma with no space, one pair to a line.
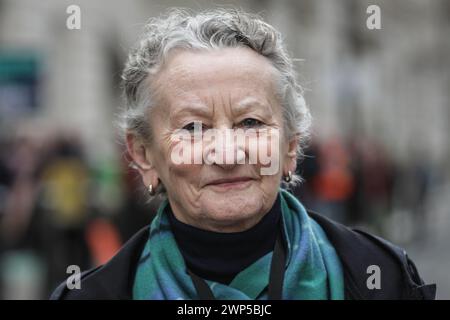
313,270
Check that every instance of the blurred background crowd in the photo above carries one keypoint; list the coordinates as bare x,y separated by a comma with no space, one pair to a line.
378,159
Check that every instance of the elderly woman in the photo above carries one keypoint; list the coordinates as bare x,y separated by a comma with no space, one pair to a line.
225,229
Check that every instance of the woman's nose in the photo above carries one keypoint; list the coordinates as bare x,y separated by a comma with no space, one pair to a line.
225,151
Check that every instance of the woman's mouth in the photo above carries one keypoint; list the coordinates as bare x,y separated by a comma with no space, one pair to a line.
230,183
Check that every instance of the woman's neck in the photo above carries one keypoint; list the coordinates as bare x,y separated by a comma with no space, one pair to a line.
219,256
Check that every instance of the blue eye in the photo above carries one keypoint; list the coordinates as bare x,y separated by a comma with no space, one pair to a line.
250,122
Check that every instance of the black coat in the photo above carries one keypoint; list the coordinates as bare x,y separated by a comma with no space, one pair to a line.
356,249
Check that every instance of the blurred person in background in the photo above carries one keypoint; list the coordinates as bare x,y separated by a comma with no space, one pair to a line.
45,209
226,231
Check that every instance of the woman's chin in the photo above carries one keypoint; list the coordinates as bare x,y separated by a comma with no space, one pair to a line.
231,208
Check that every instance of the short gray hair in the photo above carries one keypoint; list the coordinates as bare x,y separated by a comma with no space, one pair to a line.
210,29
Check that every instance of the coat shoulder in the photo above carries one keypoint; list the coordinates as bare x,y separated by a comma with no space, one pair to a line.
110,281
361,253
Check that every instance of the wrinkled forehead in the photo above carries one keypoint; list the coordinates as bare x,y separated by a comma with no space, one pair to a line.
239,72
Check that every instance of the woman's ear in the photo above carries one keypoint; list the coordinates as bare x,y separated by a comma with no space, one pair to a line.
290,161
140,155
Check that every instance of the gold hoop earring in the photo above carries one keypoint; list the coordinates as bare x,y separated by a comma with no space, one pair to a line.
288,178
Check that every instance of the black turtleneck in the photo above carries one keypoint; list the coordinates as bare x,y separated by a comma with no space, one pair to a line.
220,256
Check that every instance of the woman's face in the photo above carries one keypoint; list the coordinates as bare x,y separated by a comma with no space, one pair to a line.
232,91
